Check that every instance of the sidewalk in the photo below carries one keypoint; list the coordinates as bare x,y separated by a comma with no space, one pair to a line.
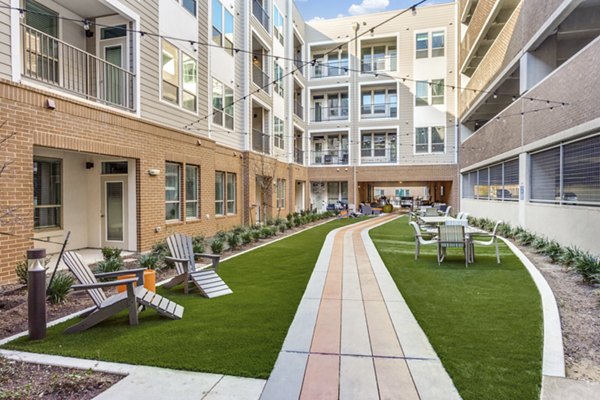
353,337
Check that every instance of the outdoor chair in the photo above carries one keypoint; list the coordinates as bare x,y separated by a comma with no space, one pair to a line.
452,236
431,212
134,298
366,210
464,216
447,213
492,242
459,215
204,278
419,240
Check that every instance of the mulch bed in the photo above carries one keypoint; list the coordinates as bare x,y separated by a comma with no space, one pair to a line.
19,380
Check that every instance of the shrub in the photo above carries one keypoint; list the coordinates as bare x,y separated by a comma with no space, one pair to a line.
297,220
279,221
111,252
505,230
539,244
588,266
553,250
266,232
282,227
568,256
21,271
110,265
217,246
221,235
256,234
233,240
161,250
239,229
525,238
289,217
246,237
289,224
149,261
198,244
60,287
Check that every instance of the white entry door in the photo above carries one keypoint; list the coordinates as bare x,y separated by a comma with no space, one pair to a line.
114,211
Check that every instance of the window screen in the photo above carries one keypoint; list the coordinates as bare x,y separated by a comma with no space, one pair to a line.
545,175
581,171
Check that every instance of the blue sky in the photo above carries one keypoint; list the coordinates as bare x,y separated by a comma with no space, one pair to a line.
333,8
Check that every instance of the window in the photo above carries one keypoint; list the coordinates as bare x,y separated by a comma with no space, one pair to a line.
379,58
278,132
222,26
421,94
113,32
222,105
225,193
114,168
179,82
191,191
422,45
330,149
334,63
47,193
437,44
172,190
379,103
170,73
281,193
437,91
279,84
278,24
545,175
498,182
430,140
189,5
231,193
378,147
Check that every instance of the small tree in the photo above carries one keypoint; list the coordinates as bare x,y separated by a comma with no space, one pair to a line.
264,171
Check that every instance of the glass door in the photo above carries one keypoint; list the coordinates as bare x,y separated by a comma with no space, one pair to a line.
113,78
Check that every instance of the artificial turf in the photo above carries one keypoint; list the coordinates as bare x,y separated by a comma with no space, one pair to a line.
239,334
484,322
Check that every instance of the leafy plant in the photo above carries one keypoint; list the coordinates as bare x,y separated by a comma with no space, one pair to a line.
60,287
282,227
525,238
149,261
111,252
553,250
289,224
256,234
233,240
217,246
221,235
246,237
110,265
21,271
297,220
239,229
198,244
588,266
278,221
568,255
539,244
266,232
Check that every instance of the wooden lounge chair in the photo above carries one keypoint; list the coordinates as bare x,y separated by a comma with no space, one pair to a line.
205,279
133,298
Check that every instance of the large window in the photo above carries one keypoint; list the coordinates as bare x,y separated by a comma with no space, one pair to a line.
437,91
278,81
225,193
497,182
437,44
379,58
179,80
278,24
47,193
172,191
222,26
429,93
379,103
330,64
421,93
430,139
189,5
191,191
378,147
422,47
567,174
222,100
278,132
281,187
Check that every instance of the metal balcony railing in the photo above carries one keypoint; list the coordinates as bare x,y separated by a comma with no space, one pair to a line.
54,62
300,65
261,142
299,109
298,156
329,69
330,157
260,13
260,78
376,63
380,110
386,155
321,114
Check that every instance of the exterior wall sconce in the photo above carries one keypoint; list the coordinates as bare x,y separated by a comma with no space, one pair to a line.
50,104
154,172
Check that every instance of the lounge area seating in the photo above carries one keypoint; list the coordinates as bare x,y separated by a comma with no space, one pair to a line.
134,298
450,236
420,240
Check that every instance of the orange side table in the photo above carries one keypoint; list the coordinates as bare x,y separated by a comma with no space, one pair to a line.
149,281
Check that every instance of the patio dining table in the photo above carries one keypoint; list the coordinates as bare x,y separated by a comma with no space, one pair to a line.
436,220
470,231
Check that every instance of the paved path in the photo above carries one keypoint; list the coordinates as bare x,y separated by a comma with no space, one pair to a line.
353,337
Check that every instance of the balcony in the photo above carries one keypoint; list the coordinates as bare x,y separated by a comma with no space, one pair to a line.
375,64
388,155
299,109
299,156
260,13
330,157
261,78
261,142
56,63
380,110
325,114
329,69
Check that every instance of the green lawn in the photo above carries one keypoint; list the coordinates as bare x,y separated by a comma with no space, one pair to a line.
484,322
239,334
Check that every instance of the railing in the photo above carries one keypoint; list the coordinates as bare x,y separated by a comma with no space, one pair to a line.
380,110
260,78
330,157
299,109
299,64
330,68
56,63
261,142
298,156
385,155
320,114
379,64
261,15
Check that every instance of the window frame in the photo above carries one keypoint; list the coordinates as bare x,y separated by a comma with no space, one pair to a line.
281,194
226,38
197,191
225,113
181,91
390,60
388,105
429,140
277,32
183,4
278,132
176,190
278,79
429,51
60,193
471,183
220,176
229,198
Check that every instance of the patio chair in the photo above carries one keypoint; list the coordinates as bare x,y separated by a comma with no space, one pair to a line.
366,210
431,212
205,279
447,213
492,242
133,298
459,215
419,240
452,236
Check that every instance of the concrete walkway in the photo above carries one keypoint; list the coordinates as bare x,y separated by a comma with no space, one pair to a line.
353,336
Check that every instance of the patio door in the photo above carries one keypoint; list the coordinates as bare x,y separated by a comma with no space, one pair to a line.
113,49
114,211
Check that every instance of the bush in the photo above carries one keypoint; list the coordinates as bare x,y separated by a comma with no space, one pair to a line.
568,256
525,238
246,237
110,265
282,227
221,236
279,221
217,246
553,250
60,287
289,217
111,252
289,224
297,220
256,234
161,250
149,261
21,271
266,232
539,244
588,266
198,244
233,240
239,229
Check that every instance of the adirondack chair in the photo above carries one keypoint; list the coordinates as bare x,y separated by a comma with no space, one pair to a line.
134,298
205,279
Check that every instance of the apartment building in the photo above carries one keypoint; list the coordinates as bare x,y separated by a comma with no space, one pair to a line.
530,115
126,121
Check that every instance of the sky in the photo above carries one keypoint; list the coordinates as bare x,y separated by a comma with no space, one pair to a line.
325,9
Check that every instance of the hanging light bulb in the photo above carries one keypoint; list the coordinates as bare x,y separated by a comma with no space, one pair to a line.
414,10
495,95
86,25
